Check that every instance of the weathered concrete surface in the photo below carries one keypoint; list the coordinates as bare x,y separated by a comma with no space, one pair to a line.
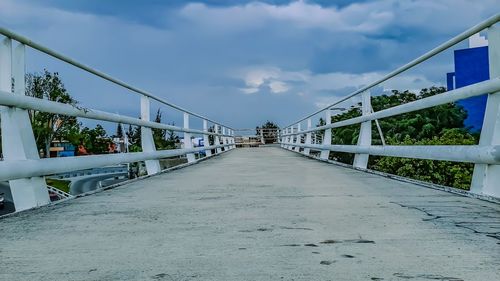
257,214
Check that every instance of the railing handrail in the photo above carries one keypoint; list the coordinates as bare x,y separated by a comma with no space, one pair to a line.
455,40
492,85
26,102
16,169
50,52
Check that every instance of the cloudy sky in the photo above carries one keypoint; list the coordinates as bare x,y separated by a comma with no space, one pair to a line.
240,62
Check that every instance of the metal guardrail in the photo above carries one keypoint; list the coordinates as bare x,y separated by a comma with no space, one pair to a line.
61,194
485,156
22,166
446,45
21,39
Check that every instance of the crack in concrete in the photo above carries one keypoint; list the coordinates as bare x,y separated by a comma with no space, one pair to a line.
434,217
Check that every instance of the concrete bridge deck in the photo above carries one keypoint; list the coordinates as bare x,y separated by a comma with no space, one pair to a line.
257,214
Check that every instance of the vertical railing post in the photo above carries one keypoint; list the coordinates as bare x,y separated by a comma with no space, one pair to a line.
285,138
206,141
298,137
232,140
327,136
216,139
147,141
223,138
308,141
18,141
280,137
289,138
188,143
486,178
365,133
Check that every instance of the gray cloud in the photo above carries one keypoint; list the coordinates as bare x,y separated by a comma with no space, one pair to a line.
200,56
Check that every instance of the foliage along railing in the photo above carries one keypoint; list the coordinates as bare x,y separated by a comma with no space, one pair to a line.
21,164
485,156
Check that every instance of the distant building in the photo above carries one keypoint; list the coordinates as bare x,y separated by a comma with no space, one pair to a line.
61,149
471,66
195,142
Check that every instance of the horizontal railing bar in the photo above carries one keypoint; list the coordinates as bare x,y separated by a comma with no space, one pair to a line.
26,102
16,169
481,88
455,40
98,73
264,129
457,153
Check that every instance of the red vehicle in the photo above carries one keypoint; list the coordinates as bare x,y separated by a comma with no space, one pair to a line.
53,196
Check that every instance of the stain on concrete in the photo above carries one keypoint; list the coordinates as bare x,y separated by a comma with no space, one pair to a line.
359,241
298,228
426,277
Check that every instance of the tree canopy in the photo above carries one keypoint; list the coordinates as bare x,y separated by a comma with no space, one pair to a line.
269,131
49,126
443,124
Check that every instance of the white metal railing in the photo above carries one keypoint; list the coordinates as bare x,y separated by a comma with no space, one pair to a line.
61,194
485,156
22,166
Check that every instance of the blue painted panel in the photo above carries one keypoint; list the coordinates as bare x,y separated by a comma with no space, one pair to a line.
471,66
450,82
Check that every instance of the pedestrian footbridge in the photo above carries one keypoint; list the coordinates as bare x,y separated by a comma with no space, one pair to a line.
282,212
245,215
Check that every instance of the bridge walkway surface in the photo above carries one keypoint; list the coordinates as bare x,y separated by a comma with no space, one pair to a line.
257,214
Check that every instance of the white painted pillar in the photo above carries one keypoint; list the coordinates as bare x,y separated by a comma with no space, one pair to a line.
289,138
308,137
297,138
232,140
262,136
327,136
188,143
147,141
224,138
365,134
216,139
486,178
285,138
280,137
206,142
18,141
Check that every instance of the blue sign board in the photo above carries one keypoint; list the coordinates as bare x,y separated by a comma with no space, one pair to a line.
471,66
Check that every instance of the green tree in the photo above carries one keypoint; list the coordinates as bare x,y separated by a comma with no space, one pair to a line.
447,173
134,138
172,138
49,126
418,125
95,140
164,139
159,135
269,130
119,131
443,124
